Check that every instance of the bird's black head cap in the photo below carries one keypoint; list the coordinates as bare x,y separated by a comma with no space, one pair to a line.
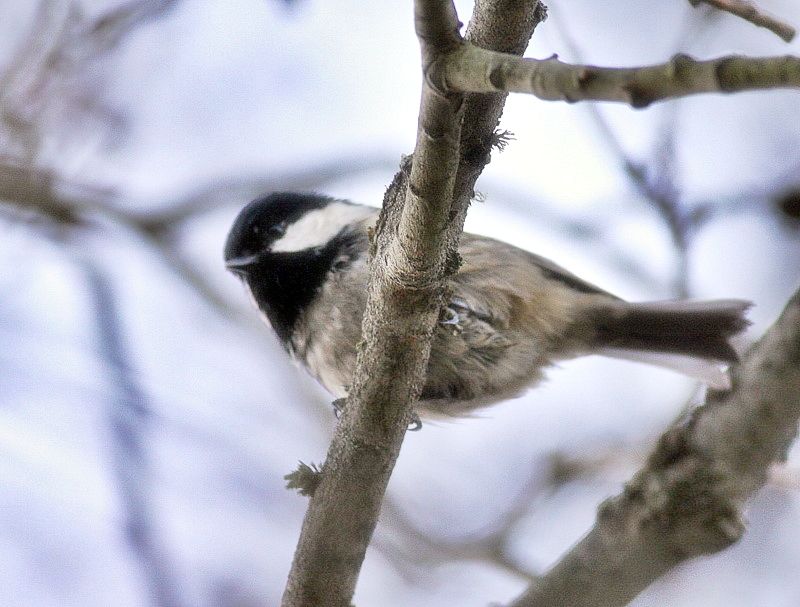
264,221
283,283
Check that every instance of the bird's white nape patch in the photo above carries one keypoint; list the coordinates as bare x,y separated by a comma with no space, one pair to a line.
316,228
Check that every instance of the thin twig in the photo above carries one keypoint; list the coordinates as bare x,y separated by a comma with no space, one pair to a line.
424,551
471,69
656,180
233,190
50,79
111,29
750,12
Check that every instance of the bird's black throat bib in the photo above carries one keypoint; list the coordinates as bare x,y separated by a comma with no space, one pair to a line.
284,284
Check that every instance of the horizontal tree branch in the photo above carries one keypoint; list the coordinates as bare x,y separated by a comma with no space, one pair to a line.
230,191
687,499
476,70
750,12
68,206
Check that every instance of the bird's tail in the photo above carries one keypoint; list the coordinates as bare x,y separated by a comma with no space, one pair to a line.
692,337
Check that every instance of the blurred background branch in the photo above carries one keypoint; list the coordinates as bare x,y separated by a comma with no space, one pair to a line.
750,12
130,420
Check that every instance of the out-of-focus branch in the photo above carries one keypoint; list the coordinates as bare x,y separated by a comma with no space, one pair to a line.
593,230
471,69
69,204
750,12
655,179
420,552
686,501
232,191
416,553
657,183
414,251
51,83
129,420
110,29
48,194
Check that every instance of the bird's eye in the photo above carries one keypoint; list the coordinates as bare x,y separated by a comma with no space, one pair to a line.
278,229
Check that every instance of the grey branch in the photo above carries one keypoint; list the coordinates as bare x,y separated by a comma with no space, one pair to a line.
130,418
69,204
404,298
232,190
419,553
413,253
687,499
476,70
750,12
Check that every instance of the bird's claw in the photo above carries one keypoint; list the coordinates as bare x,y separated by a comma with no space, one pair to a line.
450,317
338,406
450,313
415,424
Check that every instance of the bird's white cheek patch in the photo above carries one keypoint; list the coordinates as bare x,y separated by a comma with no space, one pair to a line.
316,228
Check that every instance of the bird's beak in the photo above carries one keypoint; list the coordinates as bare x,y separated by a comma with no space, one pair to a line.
239,265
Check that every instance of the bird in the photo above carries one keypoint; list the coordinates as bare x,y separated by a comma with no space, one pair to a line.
510,313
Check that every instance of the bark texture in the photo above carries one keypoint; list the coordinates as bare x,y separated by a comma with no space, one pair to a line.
477,70
687,500
413,252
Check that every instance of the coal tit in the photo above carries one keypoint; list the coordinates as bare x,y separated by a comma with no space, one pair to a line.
304,258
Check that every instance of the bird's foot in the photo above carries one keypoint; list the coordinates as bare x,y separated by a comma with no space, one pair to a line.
338,406
415,423
449,317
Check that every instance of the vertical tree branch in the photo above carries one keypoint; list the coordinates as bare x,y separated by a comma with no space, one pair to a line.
414,250
504,26
404,299
129,418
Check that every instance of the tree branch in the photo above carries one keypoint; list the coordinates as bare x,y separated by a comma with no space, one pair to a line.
471,69
420,554
404,300
231,191
655,179
130,416
687,499
504,26
414,250
750,12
